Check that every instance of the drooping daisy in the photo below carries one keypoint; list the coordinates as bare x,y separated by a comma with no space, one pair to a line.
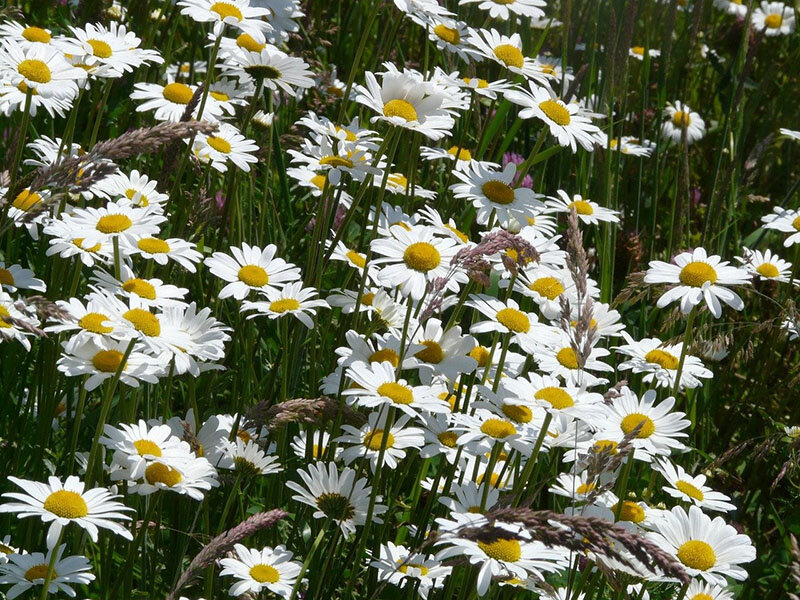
587,210
507,9
24,571
367,441
660,363
695,277
578,486
569,123
86,357
405,100
277,70
707,548
337,496
292,299
785,220
266,569
398,565
41,69
691,489
225,145
63,503
414,259
766,265
251,268
679,117
14,277
774,18
236,13
200,340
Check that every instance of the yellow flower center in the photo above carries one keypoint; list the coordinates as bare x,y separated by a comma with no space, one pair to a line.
397,393
585,488
264,574
66,504
422,257
367,299
140,287
147,447
336,161
143,321
633,420
767,270
681,119
447,34
460,235
501,549
690,490
549,287
663,359
6,278
79,243
399,180
582,207
504,1
605,446
283,305
319,181
130,193
36,34
219,144
697,554
460,153
638,50
374,439
448,438
400,108
702,596
482,83
113,223
178,93
566,357
253,275
498,192
357,259
796,223
349,135
93,322
480,354
509,55
630,511
697,273
556,112
160,473
107,361
246,42
558,398
499,429
25,200
514,320
153,245
773,21
385,355
432,353
518,414
226,10
37,572
100,48
3,314
35,70
423,570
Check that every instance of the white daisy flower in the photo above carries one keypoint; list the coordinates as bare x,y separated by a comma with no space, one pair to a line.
556,356
95,319
23,571
319,442
278,70
161,250
39,68
170,101
66,241
191,478
136,445
504,318
236,13
679,117
638,52
765,265
26,35
785,220
251,268
366,442
510,9
266,569
136,187
113,50
505,51
774,18
443,352
451,35
440,439
63,503
248,458
660,363
292,299
115,219
737,8
587,210
86,357
225,145
16,277
696,276
400,566
145,292
691,489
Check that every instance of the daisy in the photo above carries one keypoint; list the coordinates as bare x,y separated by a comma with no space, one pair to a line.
405,100
354,259
578,486
440,439
26,35
430,216
659,428
248,458
86,357
352,133
136,445
507,9
482,87
277,70
451,36
266,569
785,220
421,10
569,123
505,51
679,117
774,18
201,338
504,318
251,268
292,299
161,250
638,52
660,363
707,548
319,443
737,8
398,565
16,277
144,292
334,158
466,498
61,504
367,441
789,134
700,590
13,99
587,210
94,319
378,386
170,101
491,193
236,13
765,265
136,187
414,259
66,241
225,145
556,356
549,393
510,554
24,571
631,146
40,69
115,219
480,431
113,49
695,277
337,496
397,183
462,157
443,352
691,489
546,285
192,477
377,349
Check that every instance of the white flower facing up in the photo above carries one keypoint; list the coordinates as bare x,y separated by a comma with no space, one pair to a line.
225,145
678,117
236,13
41,69
23,571
695,276
251,268
277,70
774,18
109,51
63,503
707,548
101,362
293,299
257,570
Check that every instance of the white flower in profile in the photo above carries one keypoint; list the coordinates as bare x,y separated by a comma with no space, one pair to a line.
505,9
293,299
23,571
695,276
63,503
686,488
785,220
236,13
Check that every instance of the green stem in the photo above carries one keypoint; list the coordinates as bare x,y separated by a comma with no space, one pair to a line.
687,339
51,566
